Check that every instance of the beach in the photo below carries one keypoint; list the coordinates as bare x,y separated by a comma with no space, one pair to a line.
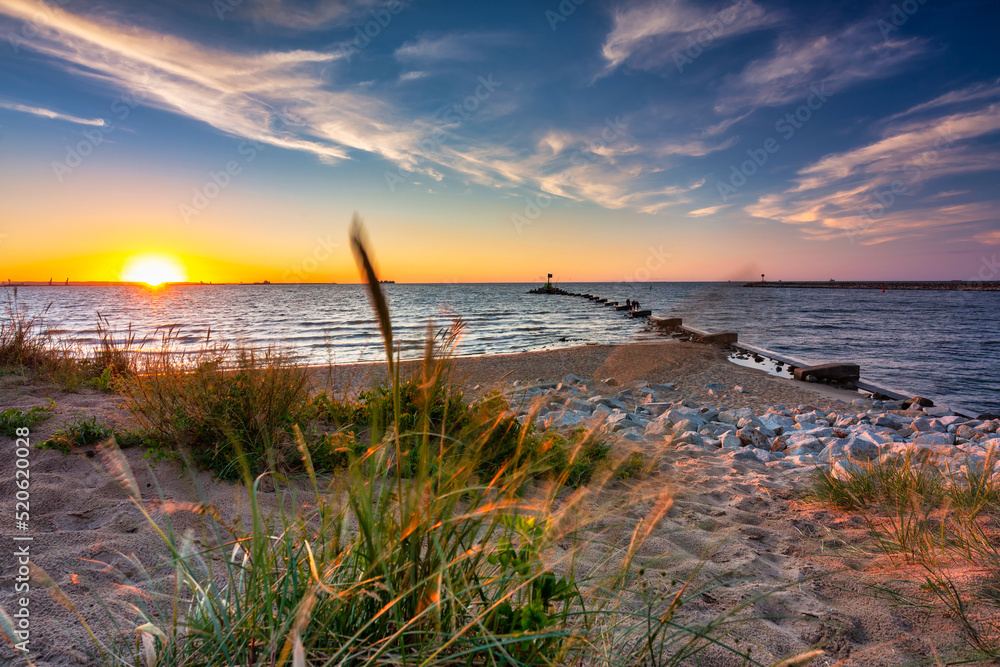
738,525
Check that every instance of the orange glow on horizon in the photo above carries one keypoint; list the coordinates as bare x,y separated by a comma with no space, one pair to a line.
153,269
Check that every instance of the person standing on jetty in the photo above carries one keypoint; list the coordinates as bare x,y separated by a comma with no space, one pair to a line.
628,304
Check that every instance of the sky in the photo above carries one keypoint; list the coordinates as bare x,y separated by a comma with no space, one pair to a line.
499,141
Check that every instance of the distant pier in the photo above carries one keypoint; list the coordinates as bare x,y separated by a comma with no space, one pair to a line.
955,286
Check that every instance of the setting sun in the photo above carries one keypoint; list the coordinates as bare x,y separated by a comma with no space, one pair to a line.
153,269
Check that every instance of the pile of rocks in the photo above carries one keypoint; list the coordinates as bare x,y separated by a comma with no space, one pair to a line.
780,438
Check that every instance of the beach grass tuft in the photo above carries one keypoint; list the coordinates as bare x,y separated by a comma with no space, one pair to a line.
26,345
942,527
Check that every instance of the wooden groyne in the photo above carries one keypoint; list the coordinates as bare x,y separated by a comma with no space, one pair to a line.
630,311
955,285
672,325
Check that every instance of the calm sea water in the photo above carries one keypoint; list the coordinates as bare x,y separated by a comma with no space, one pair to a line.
945,345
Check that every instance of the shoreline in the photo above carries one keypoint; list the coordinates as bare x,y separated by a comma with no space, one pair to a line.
690,365
554,364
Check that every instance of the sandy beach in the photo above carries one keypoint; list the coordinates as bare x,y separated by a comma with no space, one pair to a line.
740,522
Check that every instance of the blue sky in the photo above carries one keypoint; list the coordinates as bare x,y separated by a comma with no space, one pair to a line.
487,141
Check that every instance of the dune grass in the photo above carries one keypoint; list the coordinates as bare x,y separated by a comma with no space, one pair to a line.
942,526
26,346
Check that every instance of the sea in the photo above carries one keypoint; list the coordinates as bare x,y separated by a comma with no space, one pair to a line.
941,344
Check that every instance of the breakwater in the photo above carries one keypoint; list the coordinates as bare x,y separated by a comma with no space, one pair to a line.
952,286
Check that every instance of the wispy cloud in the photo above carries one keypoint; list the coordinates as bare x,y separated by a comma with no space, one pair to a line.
709,210
299,100
646,36
304,15
883,190
975,92
838,59
990,237
278,98
48,113
412,75
459,46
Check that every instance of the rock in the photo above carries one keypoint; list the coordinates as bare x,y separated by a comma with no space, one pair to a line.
918,401
715,429
809,417
932,439
988,416
612,382
862,450
740,390
657,409
834,371
731,441
751,454
612,403
877,438
689,438
576,405
888,421
656,428
938,412
843,470
569,419
922,425
803,444
632,435
715,385
734,416
950,420
851,448
617,417
778,423
751,437
679,414
709,413
811,378
818,431
602,411
684,426
969,433
796,438
668,386
800,460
